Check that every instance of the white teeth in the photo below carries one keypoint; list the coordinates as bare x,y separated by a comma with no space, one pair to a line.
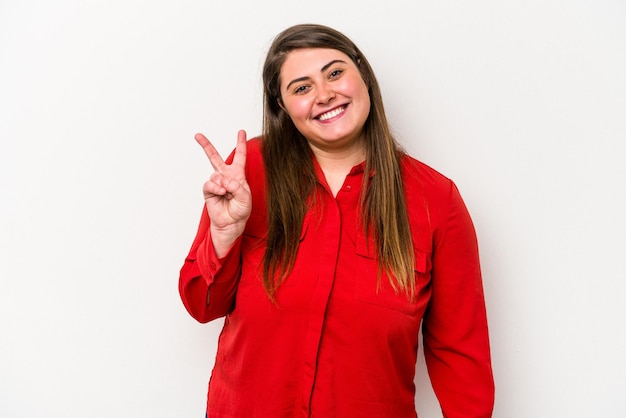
332,113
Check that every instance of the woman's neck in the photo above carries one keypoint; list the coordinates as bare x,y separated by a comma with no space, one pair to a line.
336,164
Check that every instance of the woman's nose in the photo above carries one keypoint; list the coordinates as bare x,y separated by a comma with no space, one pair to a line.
325,93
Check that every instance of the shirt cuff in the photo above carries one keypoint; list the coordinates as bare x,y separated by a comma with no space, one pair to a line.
214,269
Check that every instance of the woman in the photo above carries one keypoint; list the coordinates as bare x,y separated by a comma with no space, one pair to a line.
325,247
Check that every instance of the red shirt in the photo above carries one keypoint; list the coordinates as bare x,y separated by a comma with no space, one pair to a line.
334,345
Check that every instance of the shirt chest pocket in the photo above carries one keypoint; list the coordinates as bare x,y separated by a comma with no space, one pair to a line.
370,290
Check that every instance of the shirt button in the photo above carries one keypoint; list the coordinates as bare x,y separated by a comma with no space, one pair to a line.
348,188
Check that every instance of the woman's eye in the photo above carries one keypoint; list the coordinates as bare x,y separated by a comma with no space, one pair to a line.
300,89
335,73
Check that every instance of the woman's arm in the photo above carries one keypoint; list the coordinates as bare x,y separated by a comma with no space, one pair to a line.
208,278
456,340
208,283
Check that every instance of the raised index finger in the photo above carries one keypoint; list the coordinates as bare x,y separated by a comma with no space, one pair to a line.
214,157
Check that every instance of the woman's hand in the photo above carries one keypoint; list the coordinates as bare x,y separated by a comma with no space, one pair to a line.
227,194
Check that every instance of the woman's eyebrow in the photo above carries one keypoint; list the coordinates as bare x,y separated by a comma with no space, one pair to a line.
324,68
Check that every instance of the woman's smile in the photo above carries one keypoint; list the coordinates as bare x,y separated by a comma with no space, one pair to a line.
327,116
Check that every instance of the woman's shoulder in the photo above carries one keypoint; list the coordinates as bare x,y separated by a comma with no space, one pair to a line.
430,195
255,173
254,158
254,147
419,175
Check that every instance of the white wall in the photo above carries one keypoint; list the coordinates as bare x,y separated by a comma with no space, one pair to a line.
522,103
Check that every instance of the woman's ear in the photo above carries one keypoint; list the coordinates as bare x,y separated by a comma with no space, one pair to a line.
280,103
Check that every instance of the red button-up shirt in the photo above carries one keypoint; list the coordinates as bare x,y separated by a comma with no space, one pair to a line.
335,344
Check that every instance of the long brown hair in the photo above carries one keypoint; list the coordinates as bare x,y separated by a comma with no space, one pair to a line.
291,180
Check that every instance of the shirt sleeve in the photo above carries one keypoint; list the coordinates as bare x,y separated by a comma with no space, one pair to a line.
456,340
204,274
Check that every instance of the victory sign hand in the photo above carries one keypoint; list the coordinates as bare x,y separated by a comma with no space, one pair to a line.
227,193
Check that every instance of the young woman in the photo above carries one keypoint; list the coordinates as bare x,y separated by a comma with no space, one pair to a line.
326,247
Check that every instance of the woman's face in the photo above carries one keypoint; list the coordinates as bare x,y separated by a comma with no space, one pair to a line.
324,94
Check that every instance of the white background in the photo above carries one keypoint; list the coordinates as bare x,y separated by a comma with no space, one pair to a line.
522,103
